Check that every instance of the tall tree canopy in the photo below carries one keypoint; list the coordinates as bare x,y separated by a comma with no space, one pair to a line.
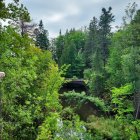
69,50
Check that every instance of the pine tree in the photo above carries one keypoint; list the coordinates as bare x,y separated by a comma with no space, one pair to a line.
42,40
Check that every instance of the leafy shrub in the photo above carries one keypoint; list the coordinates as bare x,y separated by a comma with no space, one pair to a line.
103,128
82,98
121,99
124,108
29,92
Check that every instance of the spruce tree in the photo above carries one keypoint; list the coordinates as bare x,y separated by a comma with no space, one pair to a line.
106,19
59,47
91,42
42,40
97,51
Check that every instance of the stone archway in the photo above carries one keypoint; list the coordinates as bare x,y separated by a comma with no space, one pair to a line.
78,85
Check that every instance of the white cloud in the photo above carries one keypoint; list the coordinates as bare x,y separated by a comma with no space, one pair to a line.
72,9
55,17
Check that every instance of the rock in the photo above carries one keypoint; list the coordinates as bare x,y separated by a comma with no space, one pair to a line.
2,74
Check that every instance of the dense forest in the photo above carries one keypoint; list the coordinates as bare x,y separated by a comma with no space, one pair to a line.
36,67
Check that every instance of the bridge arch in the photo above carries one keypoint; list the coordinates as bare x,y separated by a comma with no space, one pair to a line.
77,85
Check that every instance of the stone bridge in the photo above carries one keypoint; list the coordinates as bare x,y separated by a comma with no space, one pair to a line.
77,85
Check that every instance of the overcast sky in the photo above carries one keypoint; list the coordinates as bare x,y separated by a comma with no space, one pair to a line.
66,14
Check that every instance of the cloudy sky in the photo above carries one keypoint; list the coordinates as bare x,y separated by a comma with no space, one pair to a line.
66,14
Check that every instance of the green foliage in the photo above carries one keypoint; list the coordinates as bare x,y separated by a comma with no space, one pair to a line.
123,63
81,98
108,128
49,127
3,10
114,66
91,42
59,43
97,51
123,67
29,92
121,99
124,109
105,128
95,82
18,15
29,100
69,50
14,11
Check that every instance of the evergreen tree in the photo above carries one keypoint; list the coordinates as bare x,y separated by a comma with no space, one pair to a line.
52,48
91,42
68,57
105,32
59,47
98,43
42,40
79,64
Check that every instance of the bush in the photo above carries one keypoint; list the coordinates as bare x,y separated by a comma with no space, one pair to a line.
29,92
82,98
